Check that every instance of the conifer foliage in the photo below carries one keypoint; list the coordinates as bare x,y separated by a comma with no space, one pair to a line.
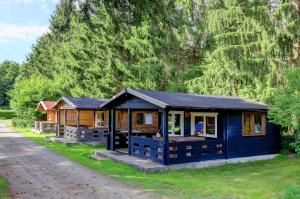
229,47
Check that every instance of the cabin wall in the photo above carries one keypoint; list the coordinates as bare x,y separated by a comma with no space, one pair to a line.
86,118
51,116
122,121
240,146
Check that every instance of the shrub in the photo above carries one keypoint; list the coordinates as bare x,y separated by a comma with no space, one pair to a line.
296,144
27,93
291,192
23,123
286,141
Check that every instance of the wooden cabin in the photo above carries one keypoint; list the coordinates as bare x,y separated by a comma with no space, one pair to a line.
81,119
172,128
49,124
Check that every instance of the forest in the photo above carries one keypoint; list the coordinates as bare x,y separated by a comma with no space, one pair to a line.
246,48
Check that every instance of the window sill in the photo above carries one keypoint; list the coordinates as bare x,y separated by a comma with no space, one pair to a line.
253,135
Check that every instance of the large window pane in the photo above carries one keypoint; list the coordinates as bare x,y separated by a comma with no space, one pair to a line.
148,119
199,124
210,125
140,118
177,129
170,124
246,124
257,122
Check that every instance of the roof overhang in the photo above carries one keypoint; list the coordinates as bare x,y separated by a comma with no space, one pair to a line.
64,100
135,93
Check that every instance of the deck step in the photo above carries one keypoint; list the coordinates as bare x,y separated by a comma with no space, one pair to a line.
97,157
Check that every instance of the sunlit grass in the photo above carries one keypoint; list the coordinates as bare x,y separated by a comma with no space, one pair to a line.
4,191
261,179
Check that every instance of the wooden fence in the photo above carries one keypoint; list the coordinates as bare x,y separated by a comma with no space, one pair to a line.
147,148
192,151
44,127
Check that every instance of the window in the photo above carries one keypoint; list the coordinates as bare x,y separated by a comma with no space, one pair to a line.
254,123
148,118
100,118
140,118
176,123
204,124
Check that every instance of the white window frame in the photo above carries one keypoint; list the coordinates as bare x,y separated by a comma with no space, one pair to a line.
204,115
149,113
181,113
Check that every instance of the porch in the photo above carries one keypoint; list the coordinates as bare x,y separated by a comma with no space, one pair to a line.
44,127
178,150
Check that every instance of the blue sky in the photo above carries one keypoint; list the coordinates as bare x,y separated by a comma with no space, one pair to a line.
21,23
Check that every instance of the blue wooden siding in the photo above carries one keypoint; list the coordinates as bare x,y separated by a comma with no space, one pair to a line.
136,103
241,146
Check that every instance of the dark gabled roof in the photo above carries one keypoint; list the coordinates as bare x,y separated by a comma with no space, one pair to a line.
190,101
81,103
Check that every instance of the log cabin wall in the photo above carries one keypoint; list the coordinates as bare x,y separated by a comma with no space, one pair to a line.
122,121
86,118
51,116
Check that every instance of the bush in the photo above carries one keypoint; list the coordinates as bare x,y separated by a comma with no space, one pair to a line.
296,144
286,141
291,192
23,123
27,93
6,114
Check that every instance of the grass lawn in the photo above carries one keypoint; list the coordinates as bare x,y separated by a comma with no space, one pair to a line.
277,178
4,192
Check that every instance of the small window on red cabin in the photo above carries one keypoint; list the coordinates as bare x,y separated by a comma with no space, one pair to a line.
254,123
140,120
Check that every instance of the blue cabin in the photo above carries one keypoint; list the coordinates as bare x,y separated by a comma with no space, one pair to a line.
172,128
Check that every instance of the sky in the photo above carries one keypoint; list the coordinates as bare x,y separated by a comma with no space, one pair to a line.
22,22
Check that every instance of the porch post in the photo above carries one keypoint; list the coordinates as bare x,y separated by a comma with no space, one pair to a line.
94,115
65,117
113,129
108,145
166,137
65,121
159,122
78,124
58,123
129,130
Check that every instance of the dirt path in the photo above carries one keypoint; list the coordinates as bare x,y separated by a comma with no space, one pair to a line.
36,172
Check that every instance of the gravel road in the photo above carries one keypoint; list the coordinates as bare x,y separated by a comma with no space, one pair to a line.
36,172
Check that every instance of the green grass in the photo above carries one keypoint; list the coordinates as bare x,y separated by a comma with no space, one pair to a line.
4,191
261,179
6,114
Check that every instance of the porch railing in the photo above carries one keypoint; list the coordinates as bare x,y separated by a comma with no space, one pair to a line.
191,151
147,148
86,134
44,127
178,152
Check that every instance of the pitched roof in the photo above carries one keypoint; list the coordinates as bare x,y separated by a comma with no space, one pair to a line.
190,101
81,103
46,105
